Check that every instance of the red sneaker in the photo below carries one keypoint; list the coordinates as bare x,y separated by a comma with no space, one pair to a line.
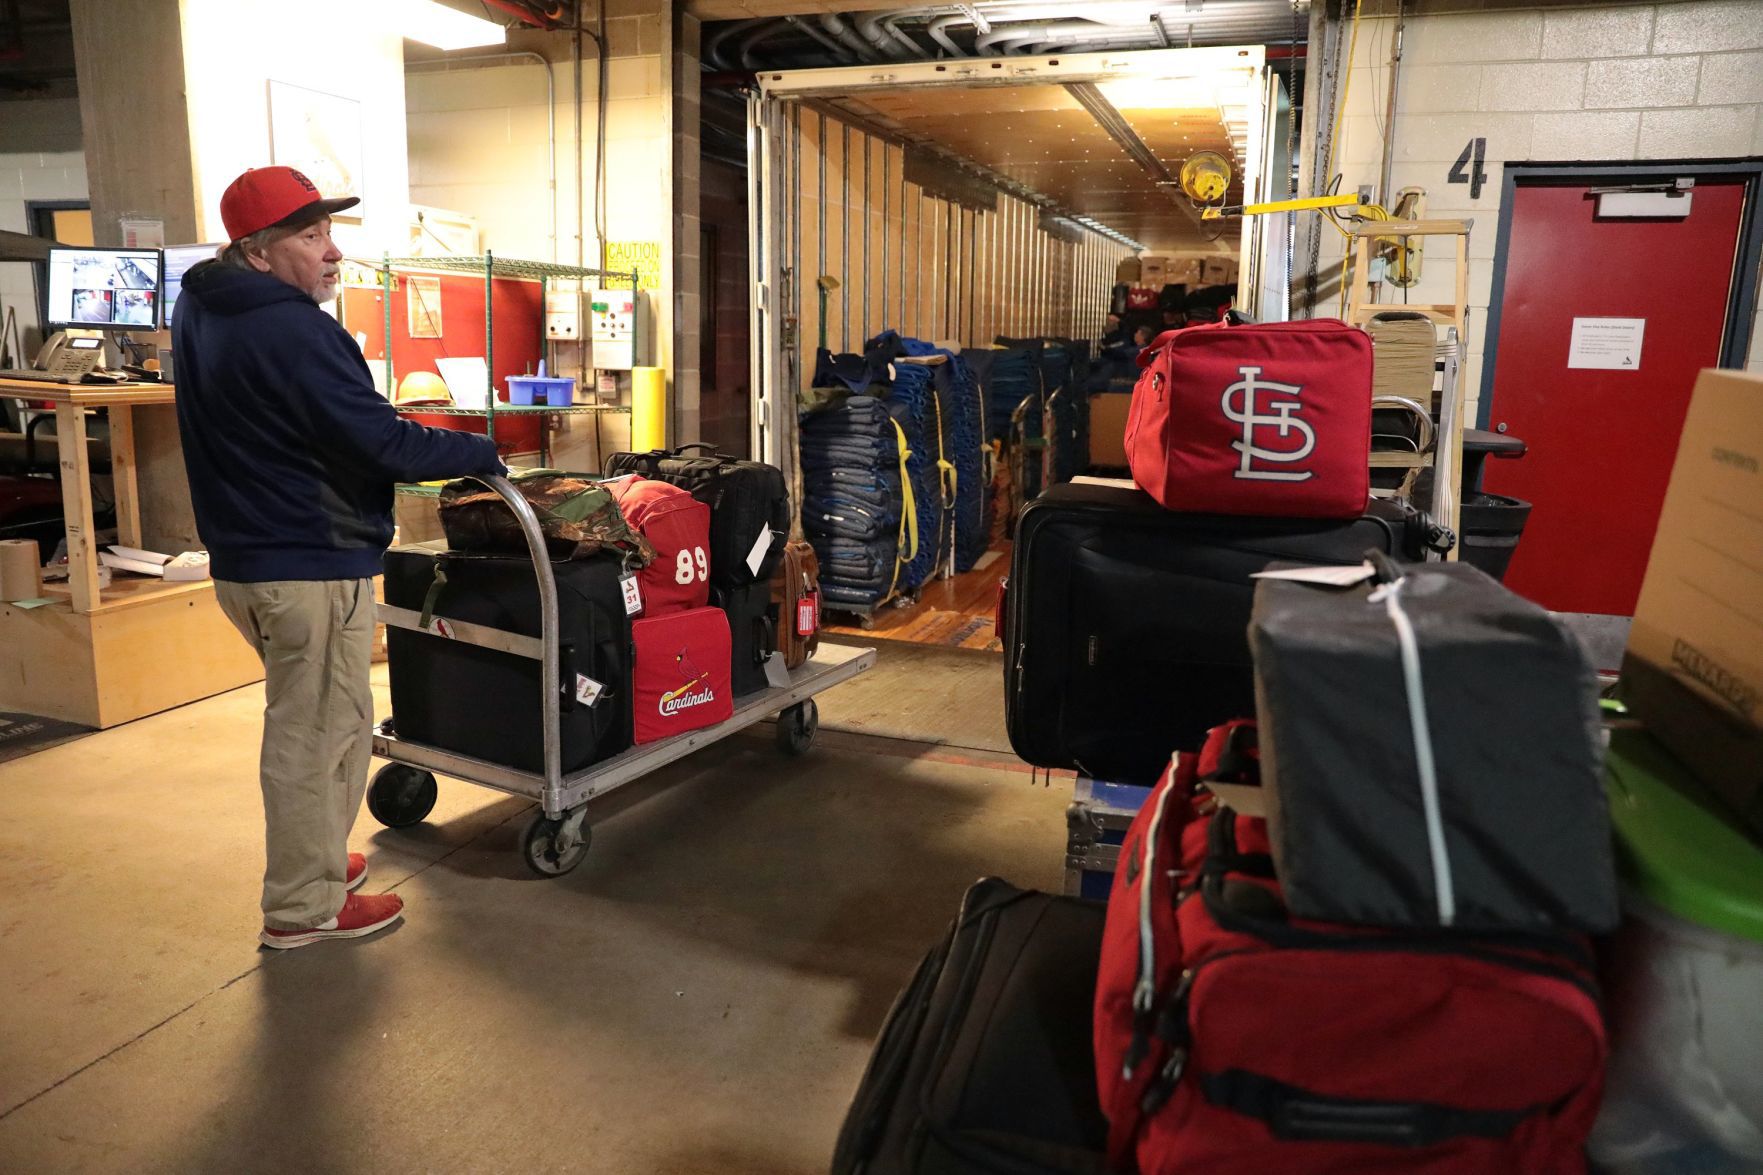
357,873
361,915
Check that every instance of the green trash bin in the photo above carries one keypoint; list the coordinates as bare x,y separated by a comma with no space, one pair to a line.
1685,996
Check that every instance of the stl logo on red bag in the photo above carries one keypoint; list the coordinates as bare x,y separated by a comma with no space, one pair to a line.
1278,413
695,692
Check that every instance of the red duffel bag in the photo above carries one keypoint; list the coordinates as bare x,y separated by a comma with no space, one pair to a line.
1231,1037
680,673
1271,419
677,525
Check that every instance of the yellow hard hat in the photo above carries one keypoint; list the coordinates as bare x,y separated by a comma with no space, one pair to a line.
423,387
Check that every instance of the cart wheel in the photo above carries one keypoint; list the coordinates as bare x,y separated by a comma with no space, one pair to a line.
866,622
401,795
796,727
552,848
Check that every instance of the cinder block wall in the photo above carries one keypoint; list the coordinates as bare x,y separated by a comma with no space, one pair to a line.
26,177
1561,83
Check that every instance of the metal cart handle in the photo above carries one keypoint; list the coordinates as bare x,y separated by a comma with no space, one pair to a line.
1418,410
549,679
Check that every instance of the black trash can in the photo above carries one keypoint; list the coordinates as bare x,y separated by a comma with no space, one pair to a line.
1492,524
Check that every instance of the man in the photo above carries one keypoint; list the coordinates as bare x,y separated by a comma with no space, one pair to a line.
292,456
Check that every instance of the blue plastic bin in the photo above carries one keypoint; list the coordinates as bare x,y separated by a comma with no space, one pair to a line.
541,389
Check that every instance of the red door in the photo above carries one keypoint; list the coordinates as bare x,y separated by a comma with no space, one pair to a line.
1602,441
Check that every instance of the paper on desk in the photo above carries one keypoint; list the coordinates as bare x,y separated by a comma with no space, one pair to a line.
1326,576
468,380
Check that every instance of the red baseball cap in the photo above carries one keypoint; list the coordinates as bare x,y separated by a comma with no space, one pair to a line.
267,196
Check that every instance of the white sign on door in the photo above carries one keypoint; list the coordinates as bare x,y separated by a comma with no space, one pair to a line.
1606,344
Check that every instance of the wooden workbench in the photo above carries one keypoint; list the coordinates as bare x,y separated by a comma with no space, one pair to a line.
106,656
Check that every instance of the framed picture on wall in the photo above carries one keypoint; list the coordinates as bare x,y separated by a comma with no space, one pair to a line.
319,134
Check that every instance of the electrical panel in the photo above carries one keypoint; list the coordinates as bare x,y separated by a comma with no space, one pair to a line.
613,326
563,315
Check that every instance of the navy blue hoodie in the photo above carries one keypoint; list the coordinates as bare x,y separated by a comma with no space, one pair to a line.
291,453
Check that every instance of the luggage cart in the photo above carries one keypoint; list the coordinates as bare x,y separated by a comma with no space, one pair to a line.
403,792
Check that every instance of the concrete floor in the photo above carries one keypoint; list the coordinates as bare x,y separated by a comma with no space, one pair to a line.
700,996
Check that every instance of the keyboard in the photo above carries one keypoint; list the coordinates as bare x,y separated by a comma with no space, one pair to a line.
35,376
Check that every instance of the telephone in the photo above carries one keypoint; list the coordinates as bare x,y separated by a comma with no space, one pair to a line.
71,356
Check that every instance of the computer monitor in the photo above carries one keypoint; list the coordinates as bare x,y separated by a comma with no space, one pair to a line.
104,289
179,260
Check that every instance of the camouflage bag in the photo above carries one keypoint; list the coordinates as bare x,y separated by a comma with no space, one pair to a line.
579,518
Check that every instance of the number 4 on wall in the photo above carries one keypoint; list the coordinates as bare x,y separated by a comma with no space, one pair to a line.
1467,169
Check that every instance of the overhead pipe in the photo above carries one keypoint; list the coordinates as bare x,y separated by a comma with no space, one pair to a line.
869,28
938,31
712,50
748,42
890,26
834,24
839,52
551,18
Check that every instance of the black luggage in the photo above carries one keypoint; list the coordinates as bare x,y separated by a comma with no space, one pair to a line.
985,1063
747,499
752,633
1125,624
1431,755
484,703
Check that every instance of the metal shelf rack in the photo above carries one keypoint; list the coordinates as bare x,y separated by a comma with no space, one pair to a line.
492,267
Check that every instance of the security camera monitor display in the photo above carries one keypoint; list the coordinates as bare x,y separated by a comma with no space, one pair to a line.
179,260
104,289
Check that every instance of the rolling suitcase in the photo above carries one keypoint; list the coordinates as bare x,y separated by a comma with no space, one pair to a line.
1125,624
680,668
749,505
751,632
795,592
483,703
984,1063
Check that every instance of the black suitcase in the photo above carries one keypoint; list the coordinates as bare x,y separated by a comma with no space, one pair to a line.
985,1063
483,703
1126,625
752,633
745,498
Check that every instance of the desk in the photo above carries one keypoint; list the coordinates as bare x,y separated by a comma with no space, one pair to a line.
103,657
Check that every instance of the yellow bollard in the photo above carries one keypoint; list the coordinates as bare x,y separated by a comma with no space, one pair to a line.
648,408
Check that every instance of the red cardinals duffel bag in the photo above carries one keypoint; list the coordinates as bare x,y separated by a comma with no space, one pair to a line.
678,526
1270,419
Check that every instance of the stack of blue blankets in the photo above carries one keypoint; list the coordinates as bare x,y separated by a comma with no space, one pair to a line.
1007,376
851,499
940,408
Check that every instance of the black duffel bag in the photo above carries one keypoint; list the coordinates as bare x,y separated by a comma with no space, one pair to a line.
747,500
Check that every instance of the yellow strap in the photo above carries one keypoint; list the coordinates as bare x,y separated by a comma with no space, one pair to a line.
908,515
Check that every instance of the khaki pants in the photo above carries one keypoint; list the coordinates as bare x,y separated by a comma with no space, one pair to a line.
315,638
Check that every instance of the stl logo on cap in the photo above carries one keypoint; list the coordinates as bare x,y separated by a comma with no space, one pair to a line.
266,196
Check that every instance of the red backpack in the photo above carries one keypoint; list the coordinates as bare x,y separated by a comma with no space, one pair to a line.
1233,1038
677,525
1271,419
681,673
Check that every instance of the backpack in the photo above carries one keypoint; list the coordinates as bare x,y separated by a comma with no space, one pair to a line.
578,518
1232,1037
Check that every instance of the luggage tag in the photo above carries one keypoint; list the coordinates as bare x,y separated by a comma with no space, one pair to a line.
776,675
633,596
761,545
1327,576
587,690
808,614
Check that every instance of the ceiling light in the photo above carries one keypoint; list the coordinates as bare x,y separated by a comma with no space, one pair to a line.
436,24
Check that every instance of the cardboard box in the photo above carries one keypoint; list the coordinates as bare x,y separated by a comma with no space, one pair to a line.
1127,272
1152,271
1184,271
1108,412
1218,271
1693,670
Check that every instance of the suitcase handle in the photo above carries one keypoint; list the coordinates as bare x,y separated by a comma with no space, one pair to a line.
712,449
